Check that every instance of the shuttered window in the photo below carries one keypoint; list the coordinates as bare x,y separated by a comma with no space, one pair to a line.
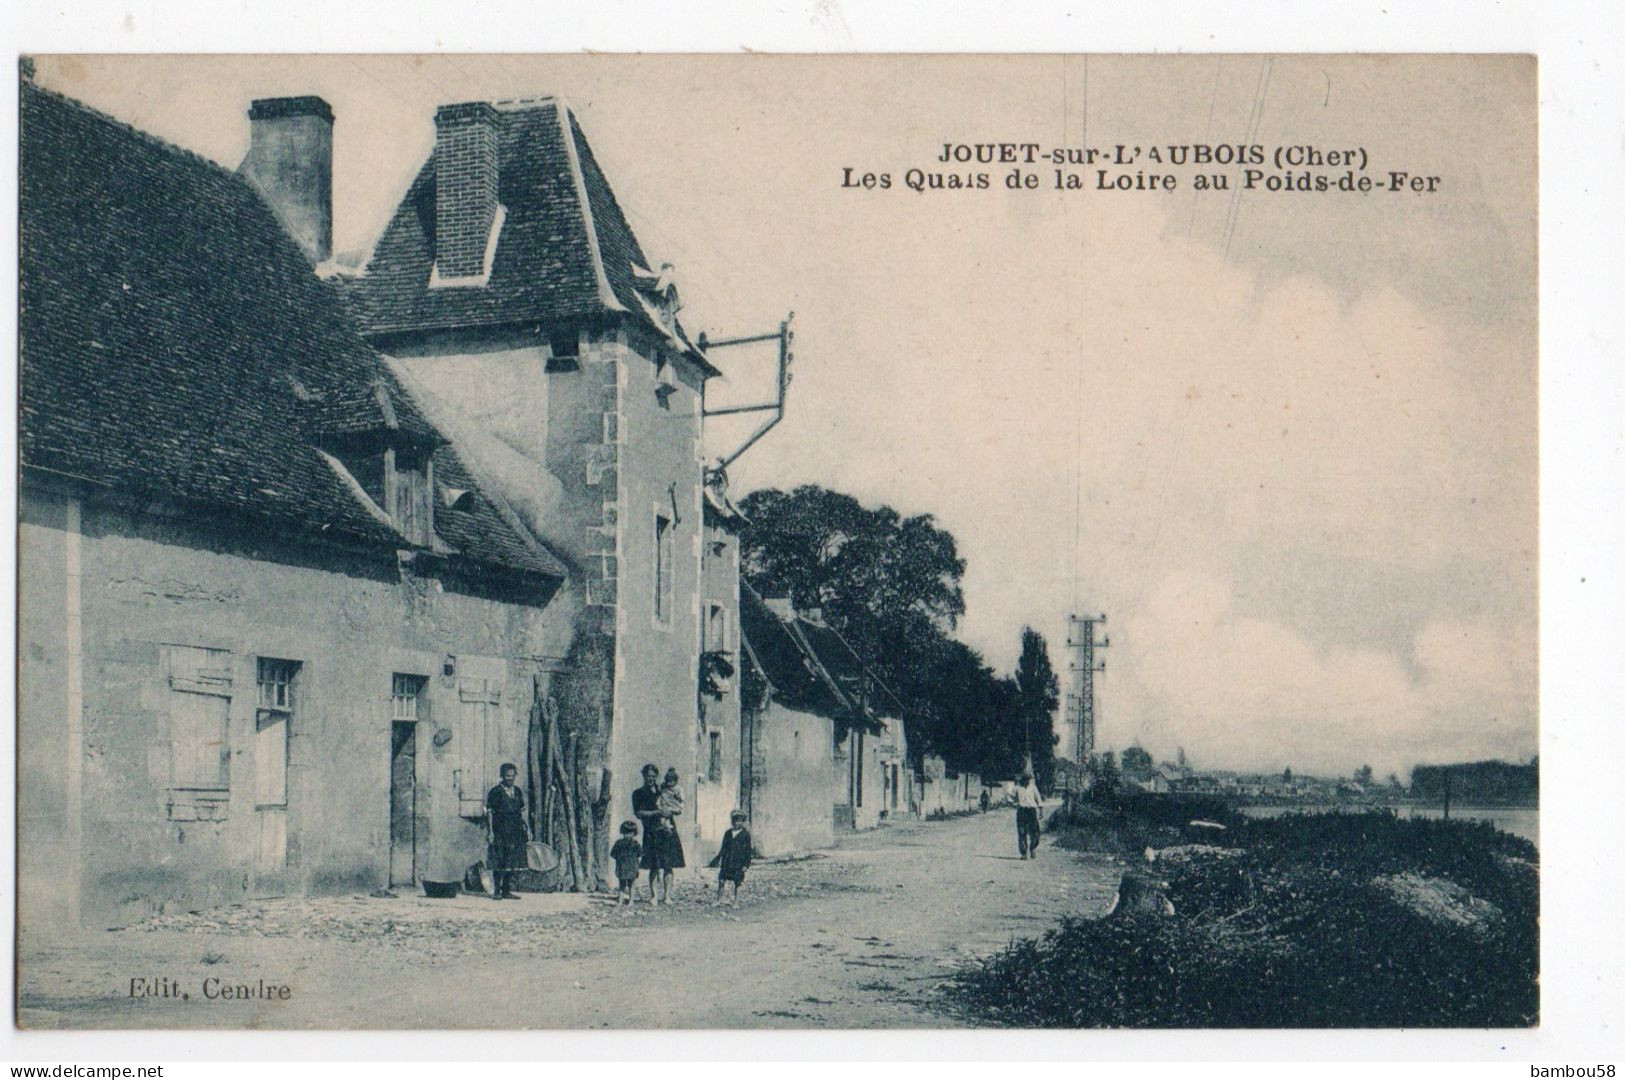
199,741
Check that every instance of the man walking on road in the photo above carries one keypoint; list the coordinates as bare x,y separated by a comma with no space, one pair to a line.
1028,802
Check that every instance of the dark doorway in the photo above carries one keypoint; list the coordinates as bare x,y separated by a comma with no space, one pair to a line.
403,795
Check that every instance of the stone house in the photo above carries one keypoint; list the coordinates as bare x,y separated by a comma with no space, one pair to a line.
899,793
510,296
717,782
943,791
817,752
273,636
301,545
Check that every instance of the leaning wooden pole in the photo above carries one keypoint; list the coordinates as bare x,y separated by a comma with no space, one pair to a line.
602,825
550,739
583,821
534,769
577,874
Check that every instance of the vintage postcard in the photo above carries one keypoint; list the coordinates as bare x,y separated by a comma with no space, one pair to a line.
765,541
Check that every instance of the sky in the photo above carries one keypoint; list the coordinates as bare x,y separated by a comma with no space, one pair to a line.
1286,442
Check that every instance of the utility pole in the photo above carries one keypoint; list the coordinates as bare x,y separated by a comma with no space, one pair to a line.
785,337
1081,636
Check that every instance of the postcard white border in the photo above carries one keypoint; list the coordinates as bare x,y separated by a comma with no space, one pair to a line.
1582,145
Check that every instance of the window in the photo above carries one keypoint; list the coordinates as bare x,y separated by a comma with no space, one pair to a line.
716,628
400,481
663,568
413,510
276,684
665,381
564,353
404,697
714,772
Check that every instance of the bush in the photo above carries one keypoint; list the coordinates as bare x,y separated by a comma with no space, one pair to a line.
1128,823
1294,930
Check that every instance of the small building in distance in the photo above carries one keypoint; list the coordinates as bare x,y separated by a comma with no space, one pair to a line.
944,791
816,756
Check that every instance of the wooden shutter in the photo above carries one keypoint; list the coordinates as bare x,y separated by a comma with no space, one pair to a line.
476,737
200,695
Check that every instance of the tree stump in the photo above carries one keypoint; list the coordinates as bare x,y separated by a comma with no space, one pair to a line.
1140,894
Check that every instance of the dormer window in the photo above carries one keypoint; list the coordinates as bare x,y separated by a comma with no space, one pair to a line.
398,481
412,506
665,380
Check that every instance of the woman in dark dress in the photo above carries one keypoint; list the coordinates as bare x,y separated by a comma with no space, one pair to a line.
506,832
646,808
657,807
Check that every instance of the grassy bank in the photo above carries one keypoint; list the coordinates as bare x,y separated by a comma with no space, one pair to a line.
1333,920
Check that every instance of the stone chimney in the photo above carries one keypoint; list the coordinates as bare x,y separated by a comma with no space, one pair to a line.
290,160
465,202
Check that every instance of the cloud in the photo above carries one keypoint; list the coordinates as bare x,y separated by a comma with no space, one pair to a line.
1240,692
1331,489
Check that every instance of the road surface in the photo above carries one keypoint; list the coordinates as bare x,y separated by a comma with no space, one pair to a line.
864,935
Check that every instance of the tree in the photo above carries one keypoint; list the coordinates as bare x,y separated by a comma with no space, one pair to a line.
891,585
1179,760
1286,775
1362,775
1137,762
1104,777
1039,696
869,569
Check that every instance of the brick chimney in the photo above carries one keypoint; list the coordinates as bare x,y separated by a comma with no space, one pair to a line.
465,201
290,159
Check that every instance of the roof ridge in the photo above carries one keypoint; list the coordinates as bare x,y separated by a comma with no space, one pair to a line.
129,128
515,104
606,295
823,672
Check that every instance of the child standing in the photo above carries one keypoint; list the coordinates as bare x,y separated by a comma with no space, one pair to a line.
627,852
733,858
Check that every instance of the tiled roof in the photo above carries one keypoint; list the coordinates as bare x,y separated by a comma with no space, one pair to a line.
809,664
565,251
844,666
786,660
177,345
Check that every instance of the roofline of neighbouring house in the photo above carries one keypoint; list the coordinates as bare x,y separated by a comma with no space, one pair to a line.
163,506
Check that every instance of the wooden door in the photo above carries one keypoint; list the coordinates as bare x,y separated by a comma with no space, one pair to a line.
403,770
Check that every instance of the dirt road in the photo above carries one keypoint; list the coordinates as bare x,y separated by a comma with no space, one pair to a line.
864,935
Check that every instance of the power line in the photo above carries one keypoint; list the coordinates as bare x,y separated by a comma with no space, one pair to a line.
1207,136
1254,120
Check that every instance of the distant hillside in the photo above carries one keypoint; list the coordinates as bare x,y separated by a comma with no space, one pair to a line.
1480,783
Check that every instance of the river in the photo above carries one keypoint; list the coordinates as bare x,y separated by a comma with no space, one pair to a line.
1521,821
